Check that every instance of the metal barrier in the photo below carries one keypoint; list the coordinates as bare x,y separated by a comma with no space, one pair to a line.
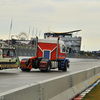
24,50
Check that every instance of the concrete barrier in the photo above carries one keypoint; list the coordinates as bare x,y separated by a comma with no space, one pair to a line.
27,92
65,87
55,86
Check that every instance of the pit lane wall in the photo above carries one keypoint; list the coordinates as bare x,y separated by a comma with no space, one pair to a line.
60,88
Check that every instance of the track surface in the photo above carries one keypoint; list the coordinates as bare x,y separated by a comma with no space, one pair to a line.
13,78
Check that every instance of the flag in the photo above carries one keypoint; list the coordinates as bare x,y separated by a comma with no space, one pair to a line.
11,24
29,32
39,33
36,32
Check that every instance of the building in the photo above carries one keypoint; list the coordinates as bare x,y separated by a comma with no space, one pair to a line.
73,42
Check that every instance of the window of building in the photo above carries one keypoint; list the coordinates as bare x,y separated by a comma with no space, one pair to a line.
78,41
61,36
67,36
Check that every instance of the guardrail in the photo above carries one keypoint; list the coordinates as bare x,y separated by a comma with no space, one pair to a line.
65,87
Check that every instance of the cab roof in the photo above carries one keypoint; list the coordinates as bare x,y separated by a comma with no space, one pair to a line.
50,40
4,45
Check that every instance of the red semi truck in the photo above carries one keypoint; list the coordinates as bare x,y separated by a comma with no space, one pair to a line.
50,54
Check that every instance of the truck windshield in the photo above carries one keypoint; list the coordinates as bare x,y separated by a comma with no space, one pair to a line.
9,53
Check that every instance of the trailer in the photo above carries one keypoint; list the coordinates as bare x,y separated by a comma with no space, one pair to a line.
8,56
50,54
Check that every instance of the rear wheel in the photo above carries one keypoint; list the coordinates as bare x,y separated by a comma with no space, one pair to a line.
65,66
59,65
1,68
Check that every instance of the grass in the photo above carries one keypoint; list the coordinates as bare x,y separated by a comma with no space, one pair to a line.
94,94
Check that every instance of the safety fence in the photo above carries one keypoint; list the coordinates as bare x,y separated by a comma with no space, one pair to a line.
24,50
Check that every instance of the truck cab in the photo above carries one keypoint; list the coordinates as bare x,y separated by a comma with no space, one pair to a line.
8,56
53,50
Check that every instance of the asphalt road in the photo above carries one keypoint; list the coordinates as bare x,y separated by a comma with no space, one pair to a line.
13,78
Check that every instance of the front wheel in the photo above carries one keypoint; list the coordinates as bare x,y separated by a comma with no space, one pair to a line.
48,67
25,69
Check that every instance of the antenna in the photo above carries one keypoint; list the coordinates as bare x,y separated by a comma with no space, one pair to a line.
29,32
32,31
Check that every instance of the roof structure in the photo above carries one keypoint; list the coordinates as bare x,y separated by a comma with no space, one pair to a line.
64,32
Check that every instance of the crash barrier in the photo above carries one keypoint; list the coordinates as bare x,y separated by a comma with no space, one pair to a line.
65,87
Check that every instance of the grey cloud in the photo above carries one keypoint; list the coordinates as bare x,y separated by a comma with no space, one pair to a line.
60,16
43,9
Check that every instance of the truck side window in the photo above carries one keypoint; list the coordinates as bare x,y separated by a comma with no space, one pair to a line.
4,53
63,48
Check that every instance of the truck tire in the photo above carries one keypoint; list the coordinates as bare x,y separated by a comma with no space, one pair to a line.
65,66
48,66
25,69
59,65
1,68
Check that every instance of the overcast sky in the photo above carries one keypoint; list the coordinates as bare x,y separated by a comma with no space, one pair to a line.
52,15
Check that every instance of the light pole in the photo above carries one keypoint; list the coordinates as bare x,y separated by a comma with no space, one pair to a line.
10,29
